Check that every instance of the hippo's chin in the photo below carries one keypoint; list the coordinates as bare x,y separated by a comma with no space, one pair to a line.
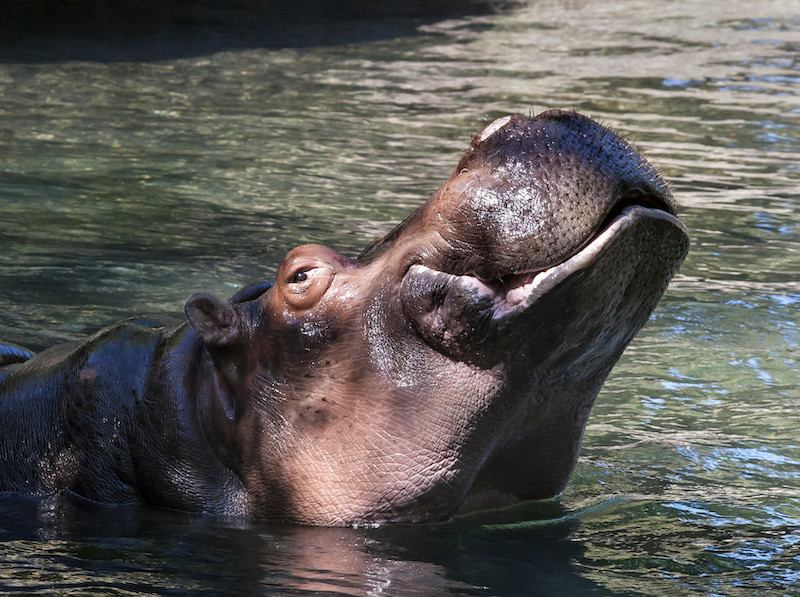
454,313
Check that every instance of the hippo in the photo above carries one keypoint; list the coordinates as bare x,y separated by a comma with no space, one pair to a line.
449,368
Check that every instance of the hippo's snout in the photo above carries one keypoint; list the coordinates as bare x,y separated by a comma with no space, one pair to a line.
531,203
530,193
527,195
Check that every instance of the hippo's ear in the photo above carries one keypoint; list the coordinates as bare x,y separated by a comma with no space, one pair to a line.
215,322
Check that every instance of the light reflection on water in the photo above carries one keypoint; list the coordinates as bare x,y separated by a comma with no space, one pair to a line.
128,185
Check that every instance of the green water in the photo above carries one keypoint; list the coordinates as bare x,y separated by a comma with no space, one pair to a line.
127,183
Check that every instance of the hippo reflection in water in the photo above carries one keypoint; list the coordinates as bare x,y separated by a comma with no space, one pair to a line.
450,367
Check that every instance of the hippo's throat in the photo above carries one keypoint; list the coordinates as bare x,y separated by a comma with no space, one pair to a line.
637,249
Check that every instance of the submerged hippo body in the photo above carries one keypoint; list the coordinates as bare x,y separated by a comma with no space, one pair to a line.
450,367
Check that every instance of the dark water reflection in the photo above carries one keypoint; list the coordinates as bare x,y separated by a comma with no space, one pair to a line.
130,180
151,30
63,545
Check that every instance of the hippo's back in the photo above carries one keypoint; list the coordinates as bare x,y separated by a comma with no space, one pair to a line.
67,415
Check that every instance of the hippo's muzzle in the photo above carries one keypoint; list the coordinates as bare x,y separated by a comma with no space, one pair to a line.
519,185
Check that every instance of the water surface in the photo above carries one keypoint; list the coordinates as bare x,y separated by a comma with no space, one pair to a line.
131,179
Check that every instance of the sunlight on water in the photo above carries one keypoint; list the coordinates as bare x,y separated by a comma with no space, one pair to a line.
127,185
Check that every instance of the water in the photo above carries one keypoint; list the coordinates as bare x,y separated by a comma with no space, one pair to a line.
136,171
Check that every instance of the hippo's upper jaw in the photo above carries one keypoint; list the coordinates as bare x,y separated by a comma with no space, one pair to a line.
535,202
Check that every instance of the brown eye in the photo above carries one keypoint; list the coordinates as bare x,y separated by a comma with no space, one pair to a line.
305,275
307,285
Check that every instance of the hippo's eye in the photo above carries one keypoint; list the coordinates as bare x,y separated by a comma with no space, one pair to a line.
305,275
305,284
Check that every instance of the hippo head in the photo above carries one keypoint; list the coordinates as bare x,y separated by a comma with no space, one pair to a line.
453,364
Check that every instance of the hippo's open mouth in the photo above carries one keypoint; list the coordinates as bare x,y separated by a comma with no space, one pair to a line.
516,292
449,309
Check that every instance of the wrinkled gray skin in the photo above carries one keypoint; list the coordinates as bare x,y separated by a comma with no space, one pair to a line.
450,367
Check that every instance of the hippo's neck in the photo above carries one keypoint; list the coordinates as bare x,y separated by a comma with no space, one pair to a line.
185,434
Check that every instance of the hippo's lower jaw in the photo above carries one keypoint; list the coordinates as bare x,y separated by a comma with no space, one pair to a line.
450,310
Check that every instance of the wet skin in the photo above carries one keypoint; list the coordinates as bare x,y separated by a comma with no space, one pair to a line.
450,367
